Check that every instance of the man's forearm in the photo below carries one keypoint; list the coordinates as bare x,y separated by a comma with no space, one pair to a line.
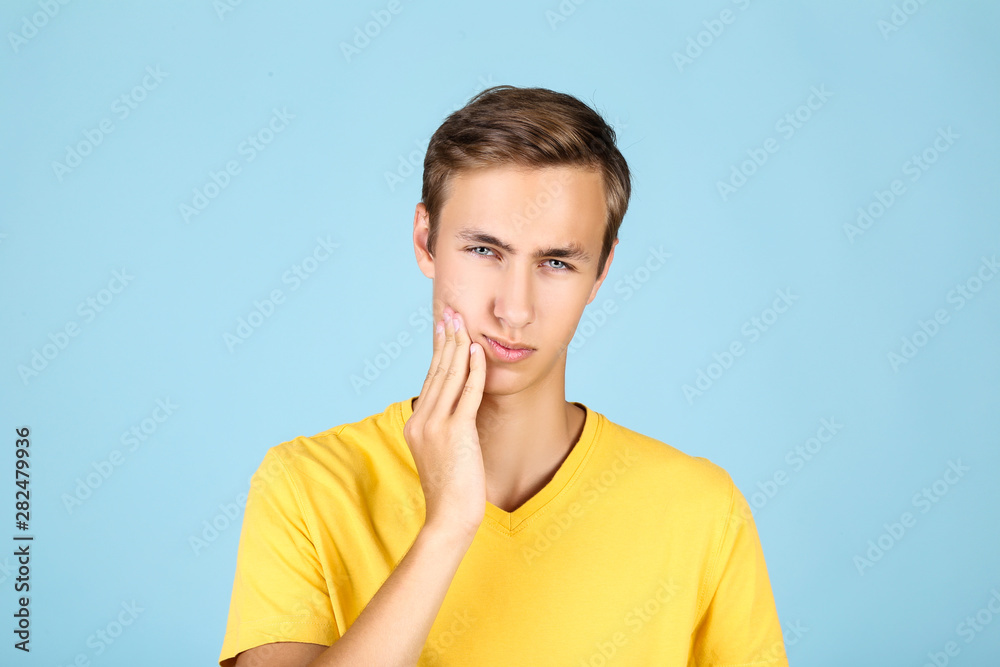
393,627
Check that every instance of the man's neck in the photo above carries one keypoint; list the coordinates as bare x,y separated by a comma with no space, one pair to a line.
525,437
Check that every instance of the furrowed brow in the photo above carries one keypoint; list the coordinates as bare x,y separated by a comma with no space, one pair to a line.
573,251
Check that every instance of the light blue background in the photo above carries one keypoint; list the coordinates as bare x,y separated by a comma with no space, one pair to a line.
682,130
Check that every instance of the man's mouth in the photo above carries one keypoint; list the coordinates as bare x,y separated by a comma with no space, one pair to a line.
504,353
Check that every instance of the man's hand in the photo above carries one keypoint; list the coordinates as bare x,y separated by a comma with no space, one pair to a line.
442,433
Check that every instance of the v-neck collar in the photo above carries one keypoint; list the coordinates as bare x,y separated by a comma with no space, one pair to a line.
510,523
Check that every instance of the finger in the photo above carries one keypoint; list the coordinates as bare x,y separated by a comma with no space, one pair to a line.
459,369
472,393
438,342
440,371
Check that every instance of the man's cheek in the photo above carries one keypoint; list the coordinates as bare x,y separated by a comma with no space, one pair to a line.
452,289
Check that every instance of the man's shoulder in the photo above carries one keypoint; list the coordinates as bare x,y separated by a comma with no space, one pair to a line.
677,471
350,445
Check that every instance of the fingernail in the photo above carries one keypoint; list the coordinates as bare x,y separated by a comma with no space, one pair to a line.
439,329
458,322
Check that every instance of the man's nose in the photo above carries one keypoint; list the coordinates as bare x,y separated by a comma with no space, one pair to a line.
514,299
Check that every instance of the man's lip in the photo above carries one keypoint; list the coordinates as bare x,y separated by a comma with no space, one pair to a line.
506,345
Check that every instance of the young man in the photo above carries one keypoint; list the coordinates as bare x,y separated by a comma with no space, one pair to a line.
488,521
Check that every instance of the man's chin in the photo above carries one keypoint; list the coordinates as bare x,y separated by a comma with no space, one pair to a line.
505,379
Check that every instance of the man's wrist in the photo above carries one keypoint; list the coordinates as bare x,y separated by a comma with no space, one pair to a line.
448,535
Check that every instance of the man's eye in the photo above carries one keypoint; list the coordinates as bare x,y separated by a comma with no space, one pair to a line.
563,266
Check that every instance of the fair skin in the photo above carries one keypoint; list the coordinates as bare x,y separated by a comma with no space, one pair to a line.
526,426
483,430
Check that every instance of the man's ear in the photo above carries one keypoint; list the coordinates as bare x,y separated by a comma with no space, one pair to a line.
421,230
604,273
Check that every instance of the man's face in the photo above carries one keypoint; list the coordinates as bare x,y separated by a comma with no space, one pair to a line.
533,292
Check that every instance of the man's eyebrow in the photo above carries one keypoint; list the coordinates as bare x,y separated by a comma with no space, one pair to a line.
573,251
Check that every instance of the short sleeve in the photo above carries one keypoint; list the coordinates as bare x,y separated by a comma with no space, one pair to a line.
739,625
279,590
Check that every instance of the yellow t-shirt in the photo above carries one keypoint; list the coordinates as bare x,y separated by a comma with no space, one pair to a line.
634,553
